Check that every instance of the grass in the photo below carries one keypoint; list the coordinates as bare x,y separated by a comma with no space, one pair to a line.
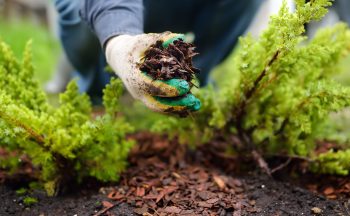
45,48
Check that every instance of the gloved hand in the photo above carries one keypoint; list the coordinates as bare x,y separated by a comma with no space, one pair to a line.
124,54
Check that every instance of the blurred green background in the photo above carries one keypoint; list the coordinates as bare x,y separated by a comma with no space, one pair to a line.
45,48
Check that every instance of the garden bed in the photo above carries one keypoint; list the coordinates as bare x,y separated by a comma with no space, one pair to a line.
274,104
165,178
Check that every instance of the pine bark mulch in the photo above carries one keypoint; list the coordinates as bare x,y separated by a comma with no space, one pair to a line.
160,181
174,61
166,178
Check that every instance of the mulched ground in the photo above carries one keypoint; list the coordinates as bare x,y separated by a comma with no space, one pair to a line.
165,178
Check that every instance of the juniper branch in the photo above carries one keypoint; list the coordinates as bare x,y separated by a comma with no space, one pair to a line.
36,136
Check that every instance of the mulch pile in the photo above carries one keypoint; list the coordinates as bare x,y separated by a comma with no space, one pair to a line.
166,178
164,182
174,61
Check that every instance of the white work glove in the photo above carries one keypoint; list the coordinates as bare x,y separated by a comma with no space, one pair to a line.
124,54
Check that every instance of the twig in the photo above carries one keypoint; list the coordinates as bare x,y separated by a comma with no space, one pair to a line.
281,166
262,75
261,162
251,91
264,85
242,133
106,209
256,155
248,94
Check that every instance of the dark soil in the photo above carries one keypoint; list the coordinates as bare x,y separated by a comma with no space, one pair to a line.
174,61
77,204
278,198
165,178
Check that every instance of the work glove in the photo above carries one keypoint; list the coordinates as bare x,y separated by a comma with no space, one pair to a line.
125,53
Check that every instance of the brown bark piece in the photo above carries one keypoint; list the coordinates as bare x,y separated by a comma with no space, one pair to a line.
172,210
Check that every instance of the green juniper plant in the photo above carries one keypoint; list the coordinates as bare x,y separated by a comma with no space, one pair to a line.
278,92
66,143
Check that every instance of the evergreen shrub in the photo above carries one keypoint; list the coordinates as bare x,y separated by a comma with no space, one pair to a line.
279,92
65,144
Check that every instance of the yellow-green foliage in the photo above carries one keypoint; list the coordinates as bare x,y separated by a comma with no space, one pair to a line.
333,162
284,93
28,201
64,143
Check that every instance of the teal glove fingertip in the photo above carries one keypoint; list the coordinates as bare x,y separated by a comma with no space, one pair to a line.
189,101
194,104
181,85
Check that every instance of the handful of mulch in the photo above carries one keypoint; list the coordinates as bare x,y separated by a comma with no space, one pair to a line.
174,61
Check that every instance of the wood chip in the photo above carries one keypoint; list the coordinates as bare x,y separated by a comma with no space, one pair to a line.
141,211
172,210
107,204
205,204
328,191
212,201
316,210
115,196
140,191
219,181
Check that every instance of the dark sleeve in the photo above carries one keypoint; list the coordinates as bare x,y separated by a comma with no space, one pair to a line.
109,18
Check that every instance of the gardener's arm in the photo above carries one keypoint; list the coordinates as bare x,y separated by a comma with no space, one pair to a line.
109,18
119,26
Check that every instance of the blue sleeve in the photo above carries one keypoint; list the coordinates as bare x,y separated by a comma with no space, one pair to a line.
109,18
